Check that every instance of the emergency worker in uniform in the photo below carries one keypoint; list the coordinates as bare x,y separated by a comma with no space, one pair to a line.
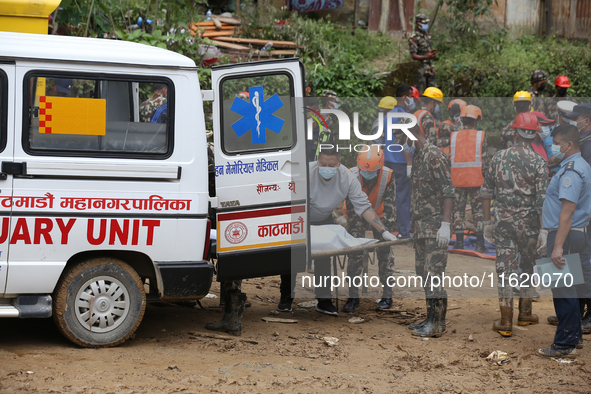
551,104
419,45
520,178
538,84
468,166
379,183
432,100
521,103
454,108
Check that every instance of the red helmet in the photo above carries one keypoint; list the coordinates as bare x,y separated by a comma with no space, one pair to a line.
415,92
526,121
562,81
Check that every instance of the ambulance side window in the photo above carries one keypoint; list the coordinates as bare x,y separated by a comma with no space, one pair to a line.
86,116
257,113
3,109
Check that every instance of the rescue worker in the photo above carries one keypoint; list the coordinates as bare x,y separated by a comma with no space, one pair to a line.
158,99
551,104
468,166
379,184
522,102
566,214
419,45
454,108
520,178
432,100
432,203
538,84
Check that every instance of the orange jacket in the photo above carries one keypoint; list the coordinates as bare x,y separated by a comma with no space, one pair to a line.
375,195
419,115
466,158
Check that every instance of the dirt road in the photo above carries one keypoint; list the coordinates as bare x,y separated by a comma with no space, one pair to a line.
377,356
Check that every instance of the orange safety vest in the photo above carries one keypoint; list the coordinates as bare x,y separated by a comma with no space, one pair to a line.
419,115
466,158
449,122
376,195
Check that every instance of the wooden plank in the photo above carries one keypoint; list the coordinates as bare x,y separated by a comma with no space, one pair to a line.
217,33
285,52
256,41
227,45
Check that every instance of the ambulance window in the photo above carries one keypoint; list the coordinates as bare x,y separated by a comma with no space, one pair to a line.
3,109
257,113
98,117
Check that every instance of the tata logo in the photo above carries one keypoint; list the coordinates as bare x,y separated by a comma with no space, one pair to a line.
228,204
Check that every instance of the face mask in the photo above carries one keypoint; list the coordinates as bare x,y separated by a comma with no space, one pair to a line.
545,132
437,110
327,172
335,105
555,149
409,149
542,87
575,123
424,26
369,175
561,92
410,103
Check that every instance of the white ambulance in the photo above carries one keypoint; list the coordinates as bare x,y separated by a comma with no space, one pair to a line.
105,194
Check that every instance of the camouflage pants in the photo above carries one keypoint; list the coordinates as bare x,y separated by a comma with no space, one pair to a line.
430,262
425,79
230,286
511,240
460,202
385,266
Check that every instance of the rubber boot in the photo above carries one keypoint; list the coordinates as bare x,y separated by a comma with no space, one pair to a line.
233,310
459,240
525,300
505,325
386,301
433,327
480,248
443,315
416,326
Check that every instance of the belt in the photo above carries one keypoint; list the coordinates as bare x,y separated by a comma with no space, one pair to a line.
581,229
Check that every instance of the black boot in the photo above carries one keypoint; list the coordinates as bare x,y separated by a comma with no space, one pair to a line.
480,248
433,327
233,310
459,240
416,326
386,301
351,305
444,314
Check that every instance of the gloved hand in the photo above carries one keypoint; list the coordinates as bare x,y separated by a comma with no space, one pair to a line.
388,236
542,241
488,232
408,171
444,235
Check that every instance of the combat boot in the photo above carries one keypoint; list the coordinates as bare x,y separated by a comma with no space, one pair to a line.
525,316
459,240
386,301
444,314
416,326
505,325
480,247
233,310
351,305
433,328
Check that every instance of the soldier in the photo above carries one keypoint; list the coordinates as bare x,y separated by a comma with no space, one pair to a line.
378,182
551,104
521,103
469,162
520,177
450,125
432,203
432,100
419,45
157,100
538,84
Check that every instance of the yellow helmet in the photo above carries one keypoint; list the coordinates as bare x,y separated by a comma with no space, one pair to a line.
388,102
434,93
522,95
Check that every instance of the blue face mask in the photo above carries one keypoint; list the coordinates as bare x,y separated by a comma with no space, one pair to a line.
327,172
409,149
424,26
437,110
410,103
369,175
555,149
545,132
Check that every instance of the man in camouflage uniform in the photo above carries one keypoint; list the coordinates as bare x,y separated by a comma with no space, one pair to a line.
520,177
419,45
522,102
431,108
431,203
538,84
447,127
157,100
371,165
551,104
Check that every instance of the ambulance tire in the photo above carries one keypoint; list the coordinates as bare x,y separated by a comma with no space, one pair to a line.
121,312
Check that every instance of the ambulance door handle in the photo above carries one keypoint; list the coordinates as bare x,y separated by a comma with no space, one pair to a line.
10,167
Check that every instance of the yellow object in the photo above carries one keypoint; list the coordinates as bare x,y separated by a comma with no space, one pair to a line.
522,95
434,93
25,16
67,115
388,102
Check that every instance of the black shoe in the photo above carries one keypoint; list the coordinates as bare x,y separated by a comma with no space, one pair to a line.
580,345
350,305
325,306
285,304
554,351
385,303
586,325
459,240
553,320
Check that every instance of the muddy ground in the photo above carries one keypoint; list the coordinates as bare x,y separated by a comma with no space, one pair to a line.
167,355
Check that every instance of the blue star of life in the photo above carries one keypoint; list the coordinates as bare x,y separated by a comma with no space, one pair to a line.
257,115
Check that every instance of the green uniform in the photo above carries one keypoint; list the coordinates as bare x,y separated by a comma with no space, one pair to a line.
428,127
537,102
507,136
520,177
431,183
445,130
148,107
420,43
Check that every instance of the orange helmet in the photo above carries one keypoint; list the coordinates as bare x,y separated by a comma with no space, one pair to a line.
372,160
471,111
562,81
459,102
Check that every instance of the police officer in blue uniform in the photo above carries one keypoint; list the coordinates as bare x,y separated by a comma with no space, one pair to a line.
566,214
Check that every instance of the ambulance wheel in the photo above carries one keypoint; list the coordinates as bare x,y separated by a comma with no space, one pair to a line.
99,303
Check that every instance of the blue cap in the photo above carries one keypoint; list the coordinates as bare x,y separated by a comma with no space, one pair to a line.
579,110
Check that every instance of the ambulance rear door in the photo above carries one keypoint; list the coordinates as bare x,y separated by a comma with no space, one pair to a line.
261,170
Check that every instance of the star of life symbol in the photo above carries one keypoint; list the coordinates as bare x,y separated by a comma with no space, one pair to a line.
257,115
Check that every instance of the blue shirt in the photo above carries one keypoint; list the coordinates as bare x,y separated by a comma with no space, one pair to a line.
573,185
547,144
393,157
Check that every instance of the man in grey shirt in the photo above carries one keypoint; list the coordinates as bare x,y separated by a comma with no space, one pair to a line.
330,185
